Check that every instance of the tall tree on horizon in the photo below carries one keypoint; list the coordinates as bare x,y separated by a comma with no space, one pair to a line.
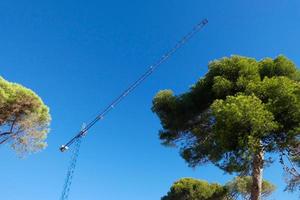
239,111
195,189
24,118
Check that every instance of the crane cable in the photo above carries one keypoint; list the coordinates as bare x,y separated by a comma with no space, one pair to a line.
135,84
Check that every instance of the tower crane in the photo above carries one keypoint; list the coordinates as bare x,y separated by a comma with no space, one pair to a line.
76,140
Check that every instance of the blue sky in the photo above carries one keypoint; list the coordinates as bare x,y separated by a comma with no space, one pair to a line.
79,55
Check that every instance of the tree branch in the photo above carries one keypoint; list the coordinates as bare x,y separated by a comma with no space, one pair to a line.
5,133
10,130
3,141
13,124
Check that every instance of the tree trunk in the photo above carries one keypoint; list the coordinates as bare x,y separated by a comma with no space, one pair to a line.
257,172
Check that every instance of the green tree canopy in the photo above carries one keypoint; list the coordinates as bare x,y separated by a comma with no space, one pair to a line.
24,118
240,110
240,188
192,189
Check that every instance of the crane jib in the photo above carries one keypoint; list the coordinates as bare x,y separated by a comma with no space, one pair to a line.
135,84
76,140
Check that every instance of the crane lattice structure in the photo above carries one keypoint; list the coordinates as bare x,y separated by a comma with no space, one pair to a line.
78,137
71,169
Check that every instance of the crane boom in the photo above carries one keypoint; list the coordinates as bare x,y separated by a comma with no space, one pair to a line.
135,84
76,140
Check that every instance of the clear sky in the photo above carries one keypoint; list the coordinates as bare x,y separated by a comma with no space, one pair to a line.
79,55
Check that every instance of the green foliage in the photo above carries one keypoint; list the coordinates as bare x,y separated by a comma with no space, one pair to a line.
280,66
24,118
192,189
240,187
253,121
240,105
